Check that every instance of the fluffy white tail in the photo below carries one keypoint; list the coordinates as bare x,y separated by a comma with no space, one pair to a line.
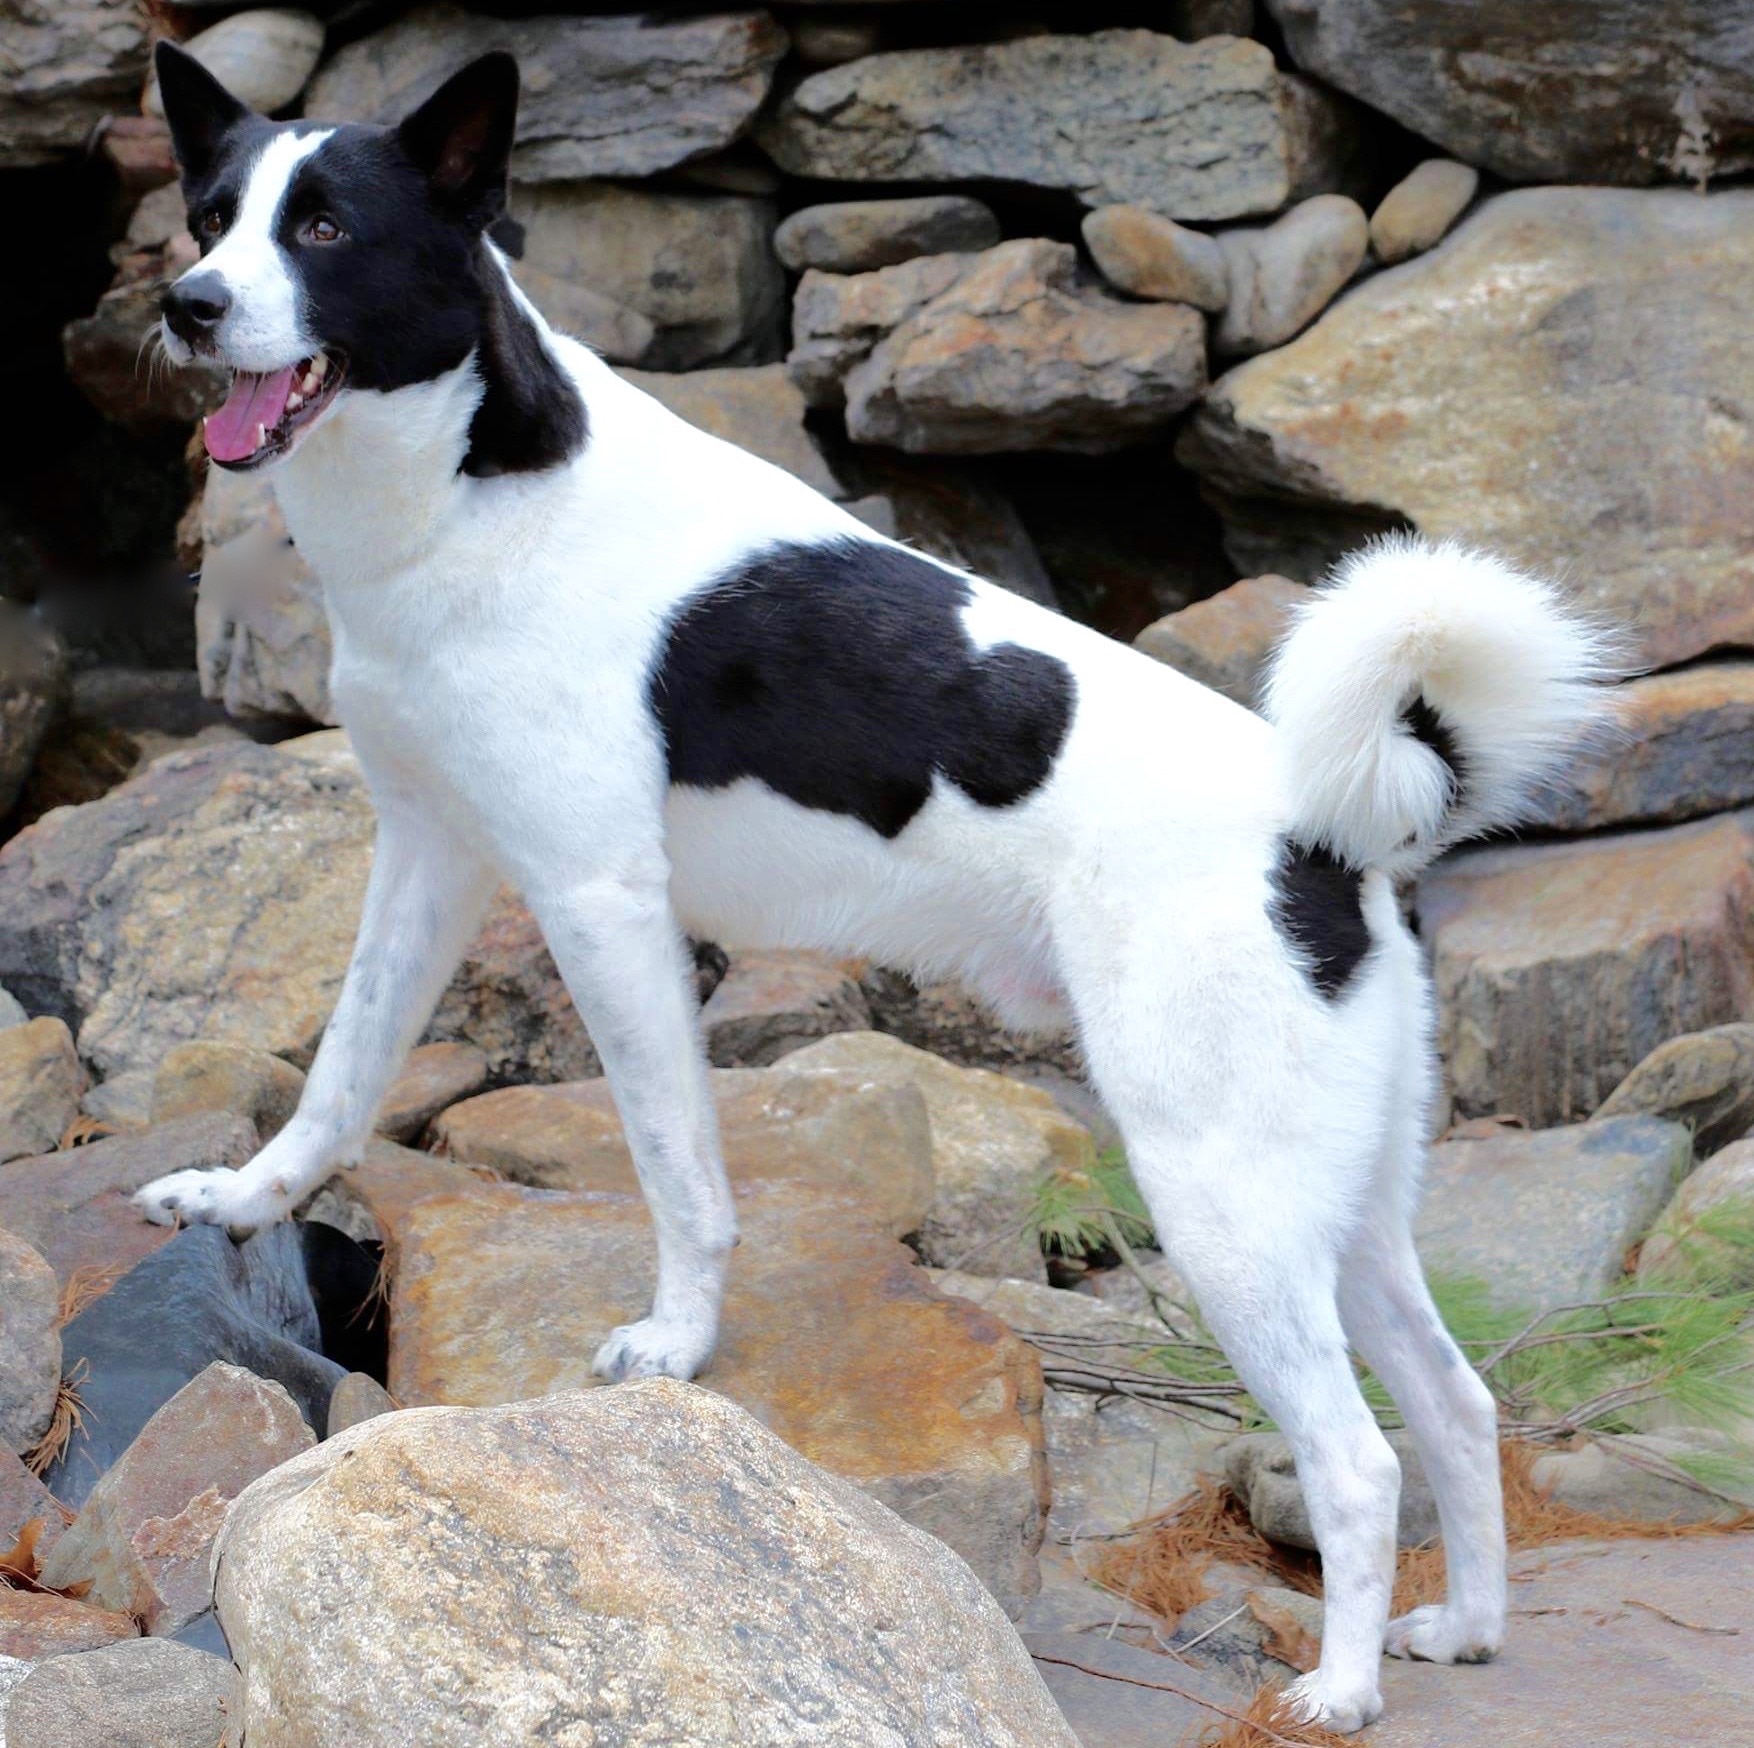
1423,694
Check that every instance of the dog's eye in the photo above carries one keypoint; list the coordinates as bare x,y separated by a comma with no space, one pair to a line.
322,229
212,222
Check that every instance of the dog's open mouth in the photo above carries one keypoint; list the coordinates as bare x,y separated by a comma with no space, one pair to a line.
265,412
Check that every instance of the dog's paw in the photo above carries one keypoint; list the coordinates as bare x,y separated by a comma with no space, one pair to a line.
1434,1634
1318,1699
219,1197
652,1348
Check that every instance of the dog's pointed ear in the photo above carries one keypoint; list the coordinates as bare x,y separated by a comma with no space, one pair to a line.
199,109
461,137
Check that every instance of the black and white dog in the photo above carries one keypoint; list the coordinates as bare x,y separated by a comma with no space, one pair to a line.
659,684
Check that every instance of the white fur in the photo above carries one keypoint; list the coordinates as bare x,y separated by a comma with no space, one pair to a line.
493,640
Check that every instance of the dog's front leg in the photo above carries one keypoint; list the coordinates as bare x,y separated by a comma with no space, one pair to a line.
626,965
425,895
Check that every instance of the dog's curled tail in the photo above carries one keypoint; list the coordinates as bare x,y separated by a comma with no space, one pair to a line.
1421,696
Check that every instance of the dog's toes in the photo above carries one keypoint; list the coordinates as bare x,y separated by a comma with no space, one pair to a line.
651,1349
1434,1635
1316,1699
219,1197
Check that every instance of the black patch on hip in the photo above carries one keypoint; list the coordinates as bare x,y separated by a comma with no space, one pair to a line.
840,676
1430,729
1317,907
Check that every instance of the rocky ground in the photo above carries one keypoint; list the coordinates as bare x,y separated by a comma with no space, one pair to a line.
1147,312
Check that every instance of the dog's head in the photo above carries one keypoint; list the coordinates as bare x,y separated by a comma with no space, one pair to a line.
333,259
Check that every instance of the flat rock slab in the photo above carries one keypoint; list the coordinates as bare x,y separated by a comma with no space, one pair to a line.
147,1693
832,1337
1605,394
1207,130
1118,1696
1225,640
67,66
1559,967
625,96
854,236
24,1500
35,1626
1547,1218
1592,1658
435,1077
832,1129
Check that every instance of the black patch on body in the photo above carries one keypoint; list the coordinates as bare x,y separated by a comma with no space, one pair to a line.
1317,906
840,676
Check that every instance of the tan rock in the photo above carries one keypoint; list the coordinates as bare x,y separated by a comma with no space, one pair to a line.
1559,967
35,1626
140,1693
434,1077
1544,383
40,1083
1283,275
771,1003
373,1200
357,1398
145,1533
67,66
858,236
1224,641
30,1345
1702,1079
24,1501
994,1142
1722,1186
263,58
648,1558
1141,252
208,1076
832,1337
1417,213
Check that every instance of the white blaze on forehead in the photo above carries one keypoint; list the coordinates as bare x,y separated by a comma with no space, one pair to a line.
265,327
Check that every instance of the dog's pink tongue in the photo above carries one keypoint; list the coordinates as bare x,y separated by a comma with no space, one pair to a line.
254,401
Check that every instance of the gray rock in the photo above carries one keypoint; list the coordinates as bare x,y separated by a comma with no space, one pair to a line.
30,1344
1545,1218
621,96
700,269
701,1582
1283,276
857,236
1418,212
1702,1079
33,689
40,1083
1141,252
142,1693
1226,1631
1260,1472
1018,356
12,1011
13,1670
1225,641
1208,130
1123,1704
1637,1477
25,1500
828,41
1723,1184
1550,324
207,1076
67,65
263,58
1576,91
357,1398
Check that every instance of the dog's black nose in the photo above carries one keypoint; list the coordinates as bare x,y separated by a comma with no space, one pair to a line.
195,305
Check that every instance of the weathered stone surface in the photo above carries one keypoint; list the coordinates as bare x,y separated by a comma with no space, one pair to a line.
145,1534
1283,275
30,1345
208,1076
1624,1479
40,1083
1559,967
33,1627
1141,252
357,1398
831,1130
138,148
1575,92
1684,746
619,334
1417,213
372,1202
832,1337
770,1003
67,65
758,409
11,1011
1260,1472
1017,356
700,268
827,41
1208,130
262,642
147,1693
33,685
1224,641
1725,1182
25,1500
1096,1680
700,1583
623,96
74,1207
434,1077
263,58
1702,1079
1548,1217
105,353
993,1142
856,236
1551,324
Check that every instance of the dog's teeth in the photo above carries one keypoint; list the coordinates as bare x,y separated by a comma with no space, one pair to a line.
319,367
310,384
294,401
261,435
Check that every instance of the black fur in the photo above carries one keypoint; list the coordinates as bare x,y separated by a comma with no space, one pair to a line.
1427,727
1317,907
840,676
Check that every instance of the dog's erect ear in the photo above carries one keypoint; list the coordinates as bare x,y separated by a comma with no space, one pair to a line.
199,109
461,137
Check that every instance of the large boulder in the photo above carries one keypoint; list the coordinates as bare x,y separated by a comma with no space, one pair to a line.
1573,92
66,66
1547,382
646,1563
620,96
832,1335
1560,966
1207,130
